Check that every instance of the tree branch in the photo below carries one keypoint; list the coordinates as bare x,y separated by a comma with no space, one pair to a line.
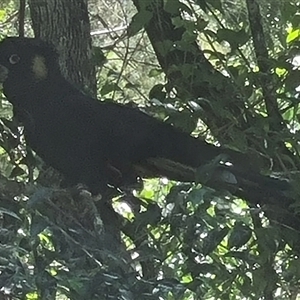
262,57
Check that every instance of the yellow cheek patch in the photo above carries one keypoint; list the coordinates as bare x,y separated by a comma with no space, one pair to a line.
39,67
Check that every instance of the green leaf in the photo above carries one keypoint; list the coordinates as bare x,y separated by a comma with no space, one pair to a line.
234,38
266,238
2,15
151,216
196,195
296,21
109,87
292,80
183,120
98,56
264,279
138,22
293,35
9,213
201,24
216,4
213,239
155,72
239,236
288,11
202,4
164,47
157,92
38,224
175,6
16,171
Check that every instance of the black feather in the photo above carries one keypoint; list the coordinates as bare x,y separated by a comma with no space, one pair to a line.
98,143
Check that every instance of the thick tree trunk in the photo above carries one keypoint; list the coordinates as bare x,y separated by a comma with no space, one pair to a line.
65,23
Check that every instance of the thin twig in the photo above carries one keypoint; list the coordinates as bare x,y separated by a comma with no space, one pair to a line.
22,18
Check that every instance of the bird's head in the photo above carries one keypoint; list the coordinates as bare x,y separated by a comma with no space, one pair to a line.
25,61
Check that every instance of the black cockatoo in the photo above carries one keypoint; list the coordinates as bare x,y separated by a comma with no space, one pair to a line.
99,143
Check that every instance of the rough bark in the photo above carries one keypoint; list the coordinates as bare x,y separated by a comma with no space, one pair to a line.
65,23
201,82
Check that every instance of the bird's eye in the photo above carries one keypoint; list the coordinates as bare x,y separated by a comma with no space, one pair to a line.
14,59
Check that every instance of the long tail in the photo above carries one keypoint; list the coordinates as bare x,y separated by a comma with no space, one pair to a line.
184,158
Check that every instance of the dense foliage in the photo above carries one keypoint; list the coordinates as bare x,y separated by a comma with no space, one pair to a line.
224,70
